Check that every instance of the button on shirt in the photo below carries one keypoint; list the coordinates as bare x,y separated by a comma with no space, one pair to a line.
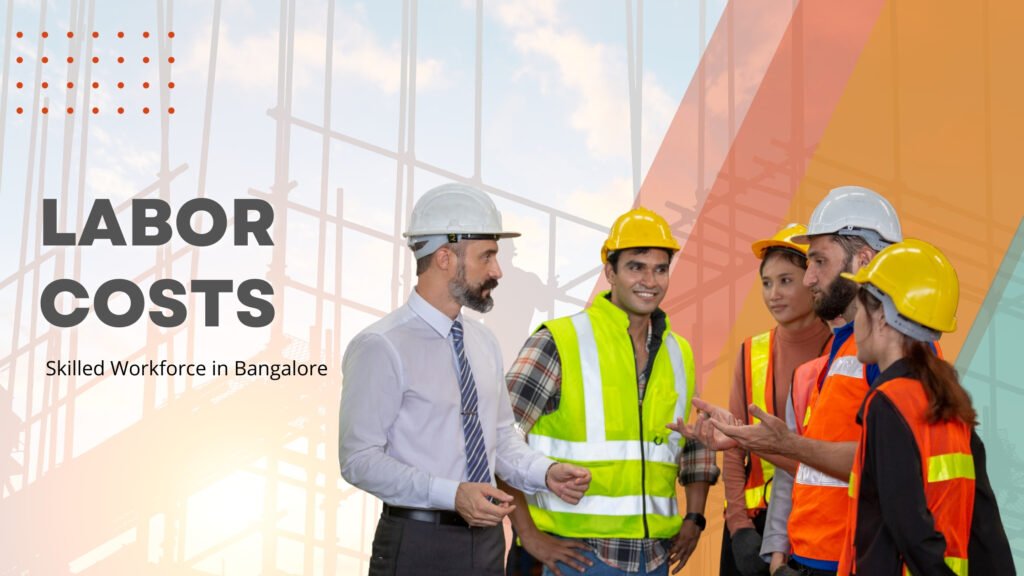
401,435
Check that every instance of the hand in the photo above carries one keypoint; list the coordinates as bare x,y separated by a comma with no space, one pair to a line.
549,550
746,553
568,482
778,560
473,504
683,545
785,571
702,431
764,438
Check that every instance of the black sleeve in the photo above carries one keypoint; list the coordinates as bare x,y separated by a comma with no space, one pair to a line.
989,550
893,453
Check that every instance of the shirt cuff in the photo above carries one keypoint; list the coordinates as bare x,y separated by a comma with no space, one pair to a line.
774,543
442,493
537,475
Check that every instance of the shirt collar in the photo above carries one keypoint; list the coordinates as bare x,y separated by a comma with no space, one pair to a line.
843,332
659,320
434,318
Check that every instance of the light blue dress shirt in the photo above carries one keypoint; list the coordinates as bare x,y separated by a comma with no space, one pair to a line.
400,435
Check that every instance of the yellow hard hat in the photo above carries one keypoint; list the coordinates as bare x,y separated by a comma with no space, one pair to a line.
638,228
782,239
920,281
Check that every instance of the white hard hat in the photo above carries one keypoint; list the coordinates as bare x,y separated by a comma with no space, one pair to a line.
855,211
453,212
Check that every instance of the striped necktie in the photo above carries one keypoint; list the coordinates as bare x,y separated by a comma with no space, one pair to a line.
476,452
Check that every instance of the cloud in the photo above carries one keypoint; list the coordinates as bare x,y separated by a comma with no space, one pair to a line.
528,13
250,61
592,73
601,205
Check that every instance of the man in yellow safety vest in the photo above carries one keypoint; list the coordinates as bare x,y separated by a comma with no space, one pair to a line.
597,389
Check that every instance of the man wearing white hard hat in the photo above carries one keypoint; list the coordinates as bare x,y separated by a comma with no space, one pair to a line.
846,230
426,423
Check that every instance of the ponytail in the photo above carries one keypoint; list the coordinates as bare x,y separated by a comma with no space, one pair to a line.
947,399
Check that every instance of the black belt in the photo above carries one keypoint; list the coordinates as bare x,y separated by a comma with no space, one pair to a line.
807,570
444,517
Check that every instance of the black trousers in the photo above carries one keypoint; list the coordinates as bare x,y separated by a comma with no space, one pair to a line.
727,565
410,547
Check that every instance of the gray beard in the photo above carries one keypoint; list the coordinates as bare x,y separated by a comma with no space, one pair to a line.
468,296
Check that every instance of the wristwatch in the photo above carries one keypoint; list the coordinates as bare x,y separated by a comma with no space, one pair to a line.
698,519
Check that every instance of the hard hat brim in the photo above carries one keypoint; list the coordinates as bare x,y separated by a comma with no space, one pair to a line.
498,235
861,277
761,246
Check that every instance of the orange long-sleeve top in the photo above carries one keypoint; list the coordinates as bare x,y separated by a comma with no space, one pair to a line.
792,348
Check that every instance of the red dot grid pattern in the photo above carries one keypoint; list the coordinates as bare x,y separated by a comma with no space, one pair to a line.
120,34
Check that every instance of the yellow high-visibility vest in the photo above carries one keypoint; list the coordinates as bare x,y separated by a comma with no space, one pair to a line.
601,424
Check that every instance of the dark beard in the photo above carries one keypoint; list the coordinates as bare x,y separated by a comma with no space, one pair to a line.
470,297
834,302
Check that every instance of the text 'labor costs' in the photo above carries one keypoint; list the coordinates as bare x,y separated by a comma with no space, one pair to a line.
151,226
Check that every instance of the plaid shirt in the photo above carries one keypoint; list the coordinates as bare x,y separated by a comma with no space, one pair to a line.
534,385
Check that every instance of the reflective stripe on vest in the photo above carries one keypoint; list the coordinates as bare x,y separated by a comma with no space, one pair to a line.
760,389
810,476
947,474
957,565
950,466
598,424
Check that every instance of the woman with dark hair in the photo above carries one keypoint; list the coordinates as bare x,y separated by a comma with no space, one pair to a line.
763,375
920,500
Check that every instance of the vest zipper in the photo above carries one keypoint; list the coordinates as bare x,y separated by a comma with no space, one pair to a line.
643,470
643,457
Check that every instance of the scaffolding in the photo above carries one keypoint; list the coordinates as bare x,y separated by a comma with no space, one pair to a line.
268,430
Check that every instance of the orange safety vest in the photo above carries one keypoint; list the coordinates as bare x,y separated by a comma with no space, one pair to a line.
947,472
818,519
760,388
805,380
